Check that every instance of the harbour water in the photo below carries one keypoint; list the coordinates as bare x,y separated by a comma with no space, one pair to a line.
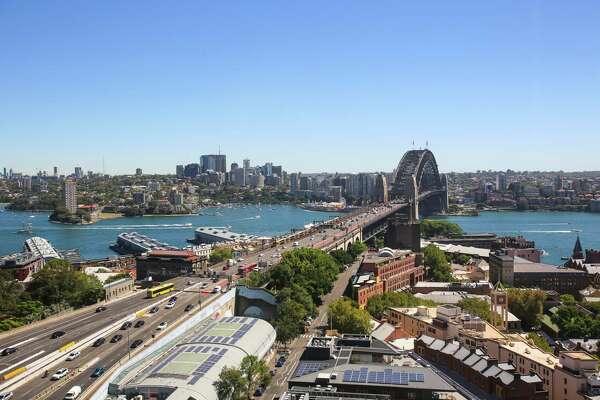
555,232
93,240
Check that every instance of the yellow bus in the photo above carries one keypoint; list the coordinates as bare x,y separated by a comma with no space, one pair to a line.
160,289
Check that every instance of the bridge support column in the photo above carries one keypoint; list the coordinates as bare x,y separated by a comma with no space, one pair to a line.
403,234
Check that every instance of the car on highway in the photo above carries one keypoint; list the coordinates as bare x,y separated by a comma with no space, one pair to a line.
126,325
73,355
296,244
188,307
97,372
204,284
60,373
161,326
154,310
136,343
57,334
116,338
280,362
190,283
216,289
140,323
99,342
9,350
6,395
169,306
100,309
173,299
73,393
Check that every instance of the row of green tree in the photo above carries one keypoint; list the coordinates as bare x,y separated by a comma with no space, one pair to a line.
299,281
55,288
439,228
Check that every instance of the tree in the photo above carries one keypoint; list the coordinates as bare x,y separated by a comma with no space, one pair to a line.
348,319
356,248
59,283
377,305
527,305
10,292
480,308
256,373
311,269
437,264
341,256
574,322
231,384
432,228
568,299
289,320
220,253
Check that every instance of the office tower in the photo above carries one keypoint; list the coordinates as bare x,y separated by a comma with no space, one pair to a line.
191,170
234,166
277,170
294,182
78,172
6,176
268,169
138,172
238,176
55,171
213,162
257,181
27,183
246,164
70,193
501,182
179,171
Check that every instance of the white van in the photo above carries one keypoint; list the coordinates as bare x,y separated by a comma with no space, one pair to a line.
73,393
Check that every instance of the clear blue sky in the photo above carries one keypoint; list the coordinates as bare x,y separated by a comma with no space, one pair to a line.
324,85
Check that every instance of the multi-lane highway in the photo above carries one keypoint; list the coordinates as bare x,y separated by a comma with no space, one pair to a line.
107,354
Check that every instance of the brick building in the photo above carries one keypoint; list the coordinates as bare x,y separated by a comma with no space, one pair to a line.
385,271
22,265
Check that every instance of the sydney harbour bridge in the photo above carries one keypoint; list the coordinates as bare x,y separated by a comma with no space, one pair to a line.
417,180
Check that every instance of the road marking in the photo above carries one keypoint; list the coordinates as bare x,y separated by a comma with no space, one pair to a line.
20,343
22,361
88,364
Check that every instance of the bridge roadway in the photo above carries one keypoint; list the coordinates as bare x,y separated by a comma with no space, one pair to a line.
35,343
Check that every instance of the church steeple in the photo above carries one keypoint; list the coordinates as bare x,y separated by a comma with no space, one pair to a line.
577,250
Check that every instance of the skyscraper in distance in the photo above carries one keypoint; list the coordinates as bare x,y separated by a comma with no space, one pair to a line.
70,196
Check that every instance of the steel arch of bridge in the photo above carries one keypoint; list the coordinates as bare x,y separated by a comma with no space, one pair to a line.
421,164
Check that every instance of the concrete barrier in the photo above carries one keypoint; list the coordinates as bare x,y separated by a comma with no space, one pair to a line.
13,373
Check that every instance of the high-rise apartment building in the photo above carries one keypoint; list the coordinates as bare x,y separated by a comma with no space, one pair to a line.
138,172
213,162
55,171
179,171
294,182
501,185
70,196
